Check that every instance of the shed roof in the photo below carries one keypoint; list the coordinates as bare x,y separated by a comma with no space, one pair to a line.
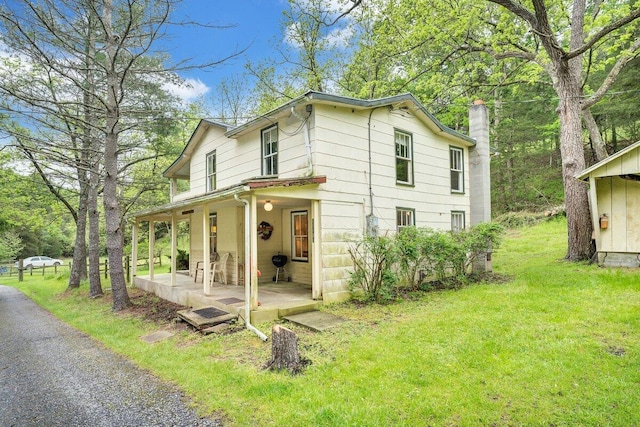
624,162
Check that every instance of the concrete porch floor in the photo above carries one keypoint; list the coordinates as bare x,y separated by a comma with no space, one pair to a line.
276,299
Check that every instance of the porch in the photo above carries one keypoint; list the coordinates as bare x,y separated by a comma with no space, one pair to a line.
275,299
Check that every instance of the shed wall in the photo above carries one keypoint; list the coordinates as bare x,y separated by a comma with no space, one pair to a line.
620,200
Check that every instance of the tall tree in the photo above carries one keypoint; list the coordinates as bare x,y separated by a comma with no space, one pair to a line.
498,42
562,57
98,56
310,53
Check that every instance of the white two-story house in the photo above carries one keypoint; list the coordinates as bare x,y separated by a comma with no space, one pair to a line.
310,177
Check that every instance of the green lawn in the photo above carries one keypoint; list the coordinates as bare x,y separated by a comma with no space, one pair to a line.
556,345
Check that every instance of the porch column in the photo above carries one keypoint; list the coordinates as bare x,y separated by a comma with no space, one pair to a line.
174,246
134,250
152,242
253,237
316,251
206,251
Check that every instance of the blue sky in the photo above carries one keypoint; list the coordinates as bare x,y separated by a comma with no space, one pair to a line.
256,25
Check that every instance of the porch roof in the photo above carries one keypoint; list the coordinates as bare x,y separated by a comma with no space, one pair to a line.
163,212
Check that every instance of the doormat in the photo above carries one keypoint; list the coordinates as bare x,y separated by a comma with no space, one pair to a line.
231,300
209,312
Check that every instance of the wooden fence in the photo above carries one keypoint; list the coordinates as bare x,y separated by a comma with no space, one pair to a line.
10,269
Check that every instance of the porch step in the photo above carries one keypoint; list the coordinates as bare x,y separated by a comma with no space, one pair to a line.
206,317
296,307
315,320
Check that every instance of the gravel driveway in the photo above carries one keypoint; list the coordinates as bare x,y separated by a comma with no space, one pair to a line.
53,375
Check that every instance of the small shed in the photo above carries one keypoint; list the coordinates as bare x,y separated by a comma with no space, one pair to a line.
614,197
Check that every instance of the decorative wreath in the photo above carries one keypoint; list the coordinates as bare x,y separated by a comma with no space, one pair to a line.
265,230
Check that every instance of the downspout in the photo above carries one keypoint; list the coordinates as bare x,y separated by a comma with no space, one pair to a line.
247,271
307,142
372,221
370,161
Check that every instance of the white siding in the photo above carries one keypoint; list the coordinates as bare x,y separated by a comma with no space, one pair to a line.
341,148
342,223
339,151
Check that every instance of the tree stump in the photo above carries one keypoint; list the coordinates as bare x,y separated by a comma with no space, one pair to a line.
284,350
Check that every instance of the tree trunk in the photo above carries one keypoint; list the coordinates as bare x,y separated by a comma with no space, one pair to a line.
110,197
579,225
594,133
79,265
94,149
284,350
95,284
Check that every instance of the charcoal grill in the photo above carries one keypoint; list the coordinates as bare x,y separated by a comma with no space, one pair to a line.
279,261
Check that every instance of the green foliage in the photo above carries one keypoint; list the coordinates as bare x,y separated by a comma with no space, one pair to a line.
449,53
480,239
555,345
372,279
10,245
413,254
182,260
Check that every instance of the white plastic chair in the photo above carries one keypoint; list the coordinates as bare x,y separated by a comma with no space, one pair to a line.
219,267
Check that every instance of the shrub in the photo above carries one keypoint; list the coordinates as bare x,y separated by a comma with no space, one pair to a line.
372,279
416,253
412,257
443,254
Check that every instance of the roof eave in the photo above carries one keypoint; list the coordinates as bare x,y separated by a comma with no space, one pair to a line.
321,97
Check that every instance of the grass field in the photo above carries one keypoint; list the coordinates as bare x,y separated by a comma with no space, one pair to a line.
556,344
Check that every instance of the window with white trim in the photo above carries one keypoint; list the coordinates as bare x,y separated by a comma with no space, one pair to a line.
404,157
270,151
405,218
457,221
299,236
211,171
457,169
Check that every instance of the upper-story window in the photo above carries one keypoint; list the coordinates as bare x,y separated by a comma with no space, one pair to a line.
457,169
405,218
404,157
211,171
270,151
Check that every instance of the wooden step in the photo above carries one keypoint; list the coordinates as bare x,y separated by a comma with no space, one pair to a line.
205,317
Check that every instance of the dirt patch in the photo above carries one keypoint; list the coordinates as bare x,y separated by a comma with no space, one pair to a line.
152,308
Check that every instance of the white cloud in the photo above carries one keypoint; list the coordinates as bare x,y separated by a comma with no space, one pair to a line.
338,36
188,90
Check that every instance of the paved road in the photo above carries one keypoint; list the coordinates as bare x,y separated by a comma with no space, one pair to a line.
53,375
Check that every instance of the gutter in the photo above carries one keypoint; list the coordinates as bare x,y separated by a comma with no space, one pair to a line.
247,271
